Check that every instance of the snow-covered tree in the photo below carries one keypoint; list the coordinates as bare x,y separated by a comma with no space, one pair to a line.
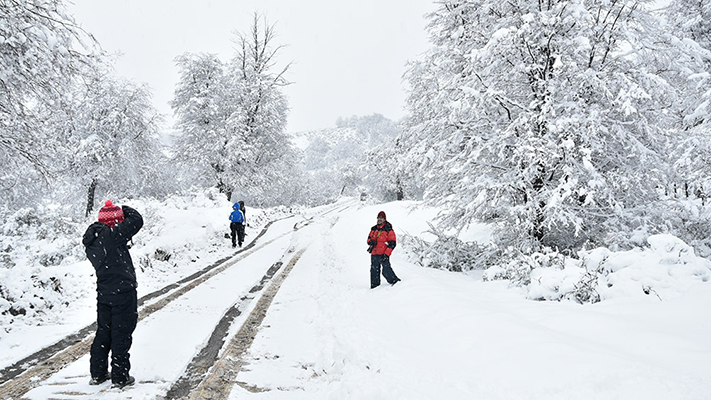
386,176
200,106
344,161
262,150
549,117
692,18
374,156
233,115
691,22
42,51
112,128
332,159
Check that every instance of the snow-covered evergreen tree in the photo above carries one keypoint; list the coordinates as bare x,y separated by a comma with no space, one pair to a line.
549,117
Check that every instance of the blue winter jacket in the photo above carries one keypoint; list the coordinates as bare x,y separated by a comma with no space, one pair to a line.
236,215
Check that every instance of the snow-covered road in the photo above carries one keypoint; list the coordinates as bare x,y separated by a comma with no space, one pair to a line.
440,335
166,341
436,334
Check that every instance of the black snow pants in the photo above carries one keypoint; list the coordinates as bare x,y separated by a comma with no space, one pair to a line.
117,316
376,261
237,229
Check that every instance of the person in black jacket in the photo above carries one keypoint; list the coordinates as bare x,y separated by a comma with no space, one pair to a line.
244,210
106,243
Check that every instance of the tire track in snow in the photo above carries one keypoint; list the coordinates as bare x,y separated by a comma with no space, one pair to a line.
222,377
28,373
206,357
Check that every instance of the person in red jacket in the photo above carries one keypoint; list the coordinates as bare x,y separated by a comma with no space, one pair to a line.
381,242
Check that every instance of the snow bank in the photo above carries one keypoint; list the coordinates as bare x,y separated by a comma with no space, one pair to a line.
664,270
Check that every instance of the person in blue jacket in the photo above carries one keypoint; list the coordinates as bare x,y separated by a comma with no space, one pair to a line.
237,225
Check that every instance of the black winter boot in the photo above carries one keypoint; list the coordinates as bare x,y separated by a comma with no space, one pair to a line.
128,382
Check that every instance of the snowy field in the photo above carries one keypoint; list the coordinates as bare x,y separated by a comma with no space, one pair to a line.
436,334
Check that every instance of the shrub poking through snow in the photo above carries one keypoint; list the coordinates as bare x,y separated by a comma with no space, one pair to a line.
449,253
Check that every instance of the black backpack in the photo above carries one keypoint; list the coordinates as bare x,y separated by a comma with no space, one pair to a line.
241,207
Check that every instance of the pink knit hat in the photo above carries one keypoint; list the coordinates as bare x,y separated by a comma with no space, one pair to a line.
110,214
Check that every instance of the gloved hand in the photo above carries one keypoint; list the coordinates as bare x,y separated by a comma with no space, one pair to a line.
372,242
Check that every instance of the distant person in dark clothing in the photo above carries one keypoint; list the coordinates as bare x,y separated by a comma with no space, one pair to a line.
237,225
244,211
106,243
381,242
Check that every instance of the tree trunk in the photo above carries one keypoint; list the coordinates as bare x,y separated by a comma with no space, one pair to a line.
224,188
539,219
90,196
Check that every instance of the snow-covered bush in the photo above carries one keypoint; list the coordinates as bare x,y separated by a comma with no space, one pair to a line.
448,252
36,246
690,220
663,269
518,267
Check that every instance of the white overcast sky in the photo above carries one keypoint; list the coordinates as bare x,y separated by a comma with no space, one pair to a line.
348,56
